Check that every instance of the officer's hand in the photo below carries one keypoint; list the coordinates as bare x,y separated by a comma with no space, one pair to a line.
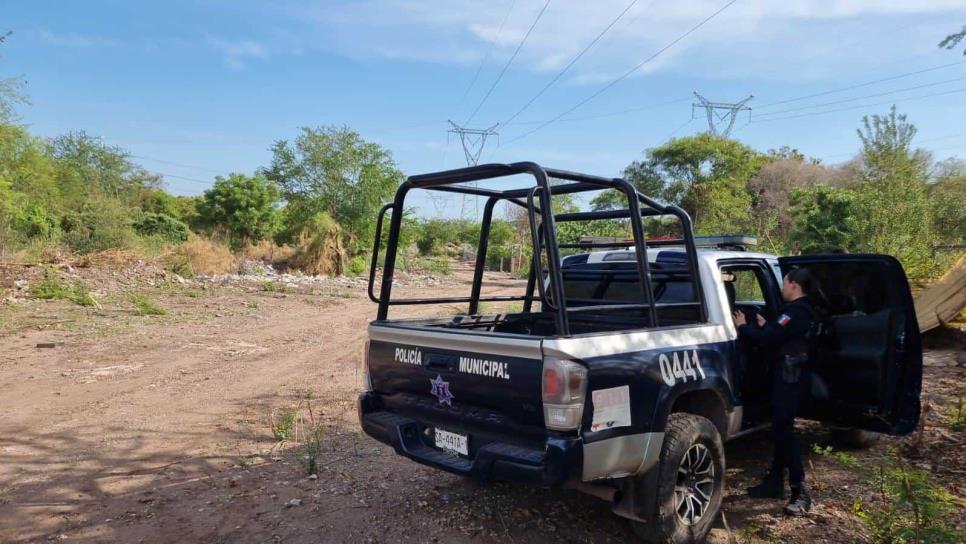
761,321
739,318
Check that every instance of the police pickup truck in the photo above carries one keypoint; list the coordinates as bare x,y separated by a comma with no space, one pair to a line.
622,374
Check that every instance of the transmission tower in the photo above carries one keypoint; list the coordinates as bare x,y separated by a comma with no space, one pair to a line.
473,140
721,113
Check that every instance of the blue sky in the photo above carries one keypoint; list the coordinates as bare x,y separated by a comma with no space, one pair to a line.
199,88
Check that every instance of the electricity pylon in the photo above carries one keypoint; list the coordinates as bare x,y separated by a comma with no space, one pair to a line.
728,112
473,140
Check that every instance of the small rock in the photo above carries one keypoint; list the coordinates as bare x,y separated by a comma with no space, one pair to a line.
21,284
293,502
313,477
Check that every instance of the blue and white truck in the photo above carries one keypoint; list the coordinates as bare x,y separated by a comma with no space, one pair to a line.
622,375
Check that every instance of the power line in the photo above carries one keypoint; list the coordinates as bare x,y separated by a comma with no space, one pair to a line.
628,73
865,84
572,62
182,165
862,106
486,57
610,114
843,101
508,63
196,180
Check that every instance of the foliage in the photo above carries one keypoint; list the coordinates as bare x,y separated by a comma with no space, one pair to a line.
824,219
245,206
100,223
912,508
52,287
893,210
282,424
162,225
334,170
320,247
144,306
948,197
957,420
951,41
706,174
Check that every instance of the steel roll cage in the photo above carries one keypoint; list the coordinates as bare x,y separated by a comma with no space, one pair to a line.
543,235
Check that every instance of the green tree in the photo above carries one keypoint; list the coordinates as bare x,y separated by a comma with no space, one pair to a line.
707,175
86,166
948,196
245,206
336,171
824,219
10,92
894,214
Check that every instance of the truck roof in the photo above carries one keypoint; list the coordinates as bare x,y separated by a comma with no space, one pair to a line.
653,254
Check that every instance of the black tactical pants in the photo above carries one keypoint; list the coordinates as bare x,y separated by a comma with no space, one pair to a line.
784,406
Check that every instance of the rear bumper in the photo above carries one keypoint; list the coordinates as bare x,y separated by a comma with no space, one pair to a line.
558,461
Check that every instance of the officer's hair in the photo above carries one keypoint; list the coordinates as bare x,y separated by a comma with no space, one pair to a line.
810,286
805,279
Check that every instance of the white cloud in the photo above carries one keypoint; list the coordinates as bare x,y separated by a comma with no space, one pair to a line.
238,52
73,40
767,36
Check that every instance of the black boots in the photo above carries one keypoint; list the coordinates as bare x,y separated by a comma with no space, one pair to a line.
772,486
800,502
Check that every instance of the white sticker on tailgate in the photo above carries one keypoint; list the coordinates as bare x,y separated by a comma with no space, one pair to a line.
612,408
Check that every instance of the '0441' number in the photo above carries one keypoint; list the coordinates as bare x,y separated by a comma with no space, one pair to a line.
682,365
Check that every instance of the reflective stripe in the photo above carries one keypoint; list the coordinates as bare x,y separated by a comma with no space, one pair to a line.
458,341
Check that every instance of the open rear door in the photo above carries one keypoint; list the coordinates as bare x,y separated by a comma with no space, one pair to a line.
868,365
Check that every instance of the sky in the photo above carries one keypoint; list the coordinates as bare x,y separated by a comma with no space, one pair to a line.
195,89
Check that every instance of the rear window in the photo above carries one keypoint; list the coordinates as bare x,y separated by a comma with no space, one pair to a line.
621,284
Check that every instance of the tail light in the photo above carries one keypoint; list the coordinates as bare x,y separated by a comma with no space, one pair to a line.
564,389
366,381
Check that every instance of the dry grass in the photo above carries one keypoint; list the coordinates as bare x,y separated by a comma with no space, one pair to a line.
267,252
323,251
200,256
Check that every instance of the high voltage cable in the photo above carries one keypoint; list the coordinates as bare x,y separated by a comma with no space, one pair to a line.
861,106
859,85
182,165
508,63
571,63
610,114
628,73
486,57
800,108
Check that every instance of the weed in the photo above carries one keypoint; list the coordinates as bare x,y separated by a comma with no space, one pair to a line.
52,287
143,306
957,420
282,425
269,286
311,440
845,459
913,508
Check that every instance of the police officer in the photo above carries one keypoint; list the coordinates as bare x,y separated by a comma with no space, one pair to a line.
788,339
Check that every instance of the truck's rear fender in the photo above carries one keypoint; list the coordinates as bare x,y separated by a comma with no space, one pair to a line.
633,382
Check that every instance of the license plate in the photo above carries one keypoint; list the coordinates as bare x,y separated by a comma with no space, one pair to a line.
452,442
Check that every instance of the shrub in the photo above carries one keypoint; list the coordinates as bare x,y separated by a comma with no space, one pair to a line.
200,256
162,225
35,222
99,224
359,265
321,248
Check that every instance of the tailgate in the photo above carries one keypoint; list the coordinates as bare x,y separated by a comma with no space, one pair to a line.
472,376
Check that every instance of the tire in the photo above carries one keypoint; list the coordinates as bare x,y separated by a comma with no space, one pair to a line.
855,438
672,523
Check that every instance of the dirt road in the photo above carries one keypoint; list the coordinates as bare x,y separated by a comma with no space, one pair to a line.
156,429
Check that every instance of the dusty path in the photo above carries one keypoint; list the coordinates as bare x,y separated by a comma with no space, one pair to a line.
156,431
